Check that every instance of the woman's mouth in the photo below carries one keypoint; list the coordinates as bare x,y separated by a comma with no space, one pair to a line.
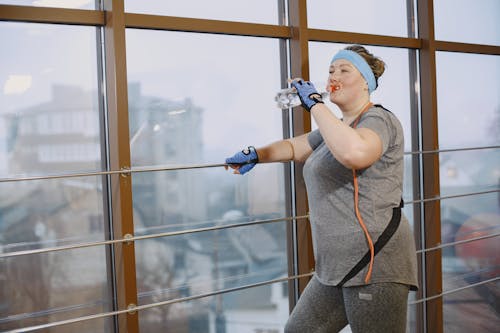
334,87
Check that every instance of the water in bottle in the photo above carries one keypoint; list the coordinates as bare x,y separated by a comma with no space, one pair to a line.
288,98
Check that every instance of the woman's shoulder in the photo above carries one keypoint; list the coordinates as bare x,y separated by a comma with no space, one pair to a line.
379,111
385,123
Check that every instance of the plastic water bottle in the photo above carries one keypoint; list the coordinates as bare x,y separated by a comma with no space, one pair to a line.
288,98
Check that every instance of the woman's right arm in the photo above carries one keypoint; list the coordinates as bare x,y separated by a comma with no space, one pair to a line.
293,149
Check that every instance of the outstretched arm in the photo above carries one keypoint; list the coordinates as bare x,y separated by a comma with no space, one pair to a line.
293,149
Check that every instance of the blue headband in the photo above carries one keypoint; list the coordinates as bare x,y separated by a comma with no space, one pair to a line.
360,63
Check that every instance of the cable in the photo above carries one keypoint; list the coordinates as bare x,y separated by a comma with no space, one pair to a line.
356,206
190,298
131,238
134,309
363,226
123,171
430,298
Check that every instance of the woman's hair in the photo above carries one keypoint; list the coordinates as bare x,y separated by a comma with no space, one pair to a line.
376,64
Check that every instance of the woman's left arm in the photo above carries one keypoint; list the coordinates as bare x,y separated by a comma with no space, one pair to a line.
354,148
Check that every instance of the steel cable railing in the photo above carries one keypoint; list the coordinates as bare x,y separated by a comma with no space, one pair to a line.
452,291
468,240
184,299
134,309
127,171
130,238
123,172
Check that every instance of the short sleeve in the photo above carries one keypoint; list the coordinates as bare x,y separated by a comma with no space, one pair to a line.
315,139
380,124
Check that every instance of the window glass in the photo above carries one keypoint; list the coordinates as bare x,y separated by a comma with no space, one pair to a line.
41,288
465,218
468,114
193,101
49,113
412,322
472,310
76,4
258,309
463,172
471,262
45,213
467,21
256,11
409,211
468,100
49,124
365,16
195,264
204,96
67,285
178,200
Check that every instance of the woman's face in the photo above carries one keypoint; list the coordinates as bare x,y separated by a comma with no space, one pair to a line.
348,85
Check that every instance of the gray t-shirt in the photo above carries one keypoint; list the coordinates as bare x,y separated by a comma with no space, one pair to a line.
338,240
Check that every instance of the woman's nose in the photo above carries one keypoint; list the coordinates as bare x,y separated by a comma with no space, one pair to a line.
333,78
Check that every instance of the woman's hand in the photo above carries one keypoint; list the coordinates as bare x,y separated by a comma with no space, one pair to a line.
308,94
243,161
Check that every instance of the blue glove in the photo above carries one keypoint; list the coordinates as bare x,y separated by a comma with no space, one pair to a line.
307,94
244,160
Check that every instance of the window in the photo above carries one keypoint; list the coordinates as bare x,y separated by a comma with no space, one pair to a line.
468,113
472,264
214,251
76,4
257,11
469,109
48,101
49,84
467,22
390,18
207,97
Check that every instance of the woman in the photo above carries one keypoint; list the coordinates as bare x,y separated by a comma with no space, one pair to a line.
364,248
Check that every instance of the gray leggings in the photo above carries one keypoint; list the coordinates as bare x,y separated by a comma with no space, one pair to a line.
378,307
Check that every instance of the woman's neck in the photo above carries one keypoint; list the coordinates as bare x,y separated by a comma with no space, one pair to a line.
352,112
